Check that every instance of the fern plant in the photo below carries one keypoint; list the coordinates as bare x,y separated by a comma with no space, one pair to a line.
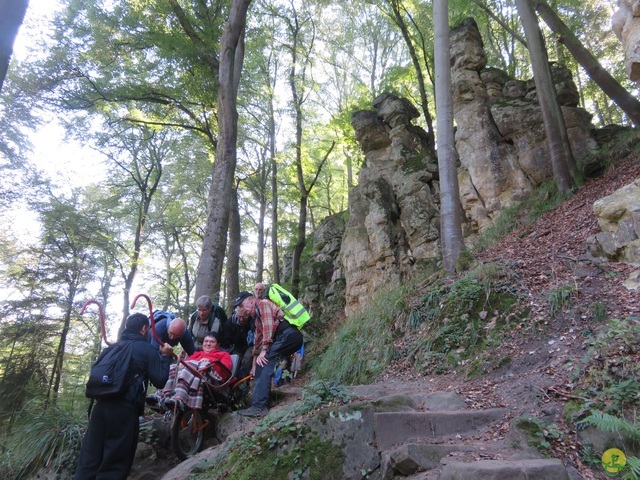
611,423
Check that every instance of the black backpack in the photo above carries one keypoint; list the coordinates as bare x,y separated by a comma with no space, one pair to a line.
108,377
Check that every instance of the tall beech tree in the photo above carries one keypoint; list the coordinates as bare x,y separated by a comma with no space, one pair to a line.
562,162
397,11
209,276
451,208
138,155
609,85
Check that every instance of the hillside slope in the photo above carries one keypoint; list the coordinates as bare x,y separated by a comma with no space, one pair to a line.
553,369
545,364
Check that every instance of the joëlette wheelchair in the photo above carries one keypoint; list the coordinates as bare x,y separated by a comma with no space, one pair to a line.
189,424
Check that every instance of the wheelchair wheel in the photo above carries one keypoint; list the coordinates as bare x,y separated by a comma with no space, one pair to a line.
187,433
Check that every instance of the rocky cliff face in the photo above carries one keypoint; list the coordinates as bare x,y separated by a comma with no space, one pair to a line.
500,133
393,211
323,275
626,25
393,219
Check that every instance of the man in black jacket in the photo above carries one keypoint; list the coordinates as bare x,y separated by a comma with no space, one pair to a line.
110,443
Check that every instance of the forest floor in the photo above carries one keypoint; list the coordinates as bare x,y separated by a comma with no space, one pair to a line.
539,378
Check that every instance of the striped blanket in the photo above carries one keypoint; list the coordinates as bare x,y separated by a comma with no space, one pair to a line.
186,386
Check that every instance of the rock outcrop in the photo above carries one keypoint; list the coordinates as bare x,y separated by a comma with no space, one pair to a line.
626,25
322,274
618,215
500,135
394,210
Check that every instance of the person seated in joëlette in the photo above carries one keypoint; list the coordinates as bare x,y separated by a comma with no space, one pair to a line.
184,387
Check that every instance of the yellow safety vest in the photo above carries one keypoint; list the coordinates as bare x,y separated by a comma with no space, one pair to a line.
293,311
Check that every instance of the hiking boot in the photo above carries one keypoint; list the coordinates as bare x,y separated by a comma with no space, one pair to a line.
254,412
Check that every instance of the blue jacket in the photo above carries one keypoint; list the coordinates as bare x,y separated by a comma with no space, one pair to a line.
162,330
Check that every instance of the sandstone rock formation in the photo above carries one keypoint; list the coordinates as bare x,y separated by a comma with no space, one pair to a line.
626,25
394,210
619,218
500,133
323,275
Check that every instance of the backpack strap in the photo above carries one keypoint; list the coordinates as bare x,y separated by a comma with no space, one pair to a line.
90,408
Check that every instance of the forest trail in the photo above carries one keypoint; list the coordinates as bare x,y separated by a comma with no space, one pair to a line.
538,378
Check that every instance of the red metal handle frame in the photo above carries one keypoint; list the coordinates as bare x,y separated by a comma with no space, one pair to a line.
151,319
101,313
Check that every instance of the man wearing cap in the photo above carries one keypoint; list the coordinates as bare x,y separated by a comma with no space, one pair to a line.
275,339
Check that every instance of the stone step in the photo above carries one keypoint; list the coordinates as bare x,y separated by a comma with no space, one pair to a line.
419,402
540,469
394,428
410,458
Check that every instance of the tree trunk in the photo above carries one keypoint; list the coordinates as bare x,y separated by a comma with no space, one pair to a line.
562,162
275,258
395,5
609,85
12,14
184,261
134,261
450,206
261,191
231,278
56,374
304,194
209,274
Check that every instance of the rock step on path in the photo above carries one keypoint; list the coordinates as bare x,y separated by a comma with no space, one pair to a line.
440,439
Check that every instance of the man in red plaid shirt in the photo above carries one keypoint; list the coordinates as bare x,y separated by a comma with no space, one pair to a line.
275,340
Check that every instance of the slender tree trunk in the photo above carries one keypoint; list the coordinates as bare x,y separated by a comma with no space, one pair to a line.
304,194
232,281
349,164
56,374
299,247
562,162
145,203
261,189
208,279
275,258
450,206
12,14
609,85
169,240
395,5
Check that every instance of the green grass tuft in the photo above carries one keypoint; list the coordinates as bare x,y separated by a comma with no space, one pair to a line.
41,437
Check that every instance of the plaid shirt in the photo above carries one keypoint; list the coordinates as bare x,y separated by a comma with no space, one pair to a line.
267,316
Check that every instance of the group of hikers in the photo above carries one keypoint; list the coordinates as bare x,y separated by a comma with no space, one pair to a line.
262,333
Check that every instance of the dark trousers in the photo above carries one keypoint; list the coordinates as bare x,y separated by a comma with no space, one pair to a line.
285,343
110,443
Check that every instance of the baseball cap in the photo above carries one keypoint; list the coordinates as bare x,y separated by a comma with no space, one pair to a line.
240,298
